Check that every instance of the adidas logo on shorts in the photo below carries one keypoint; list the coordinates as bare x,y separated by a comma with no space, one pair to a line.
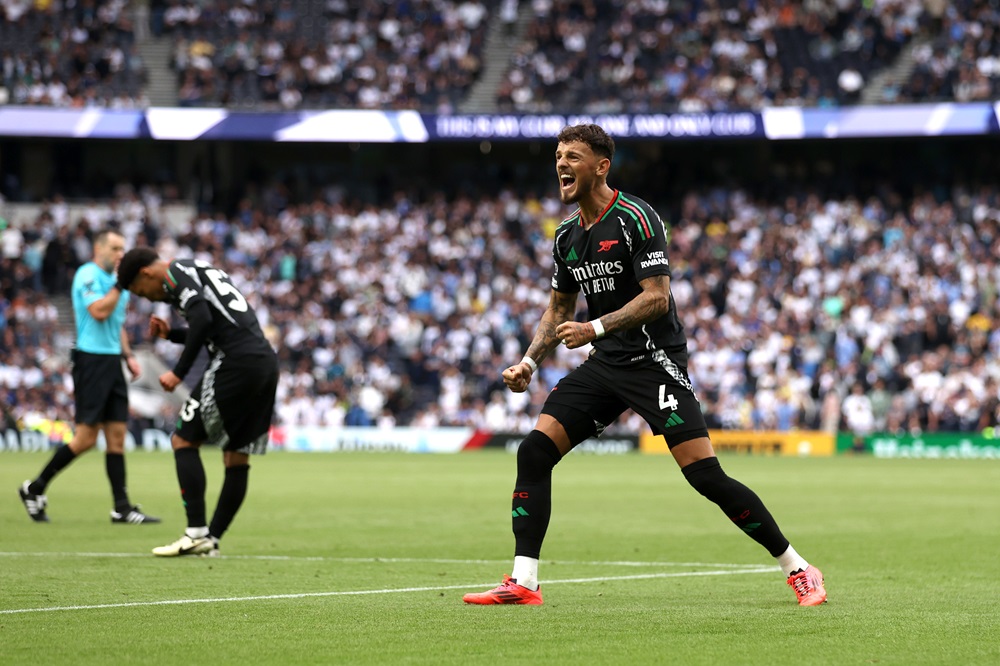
673,420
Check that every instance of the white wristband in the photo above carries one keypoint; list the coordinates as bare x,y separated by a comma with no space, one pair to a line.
598,328
531,363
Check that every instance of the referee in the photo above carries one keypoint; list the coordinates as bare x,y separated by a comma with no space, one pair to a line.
101,392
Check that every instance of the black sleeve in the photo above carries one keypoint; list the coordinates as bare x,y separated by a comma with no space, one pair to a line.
178,335
199,319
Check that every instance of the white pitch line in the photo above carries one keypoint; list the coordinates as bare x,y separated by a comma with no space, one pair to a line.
355,593
400,560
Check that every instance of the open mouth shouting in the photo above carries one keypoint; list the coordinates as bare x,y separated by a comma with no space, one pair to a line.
567,181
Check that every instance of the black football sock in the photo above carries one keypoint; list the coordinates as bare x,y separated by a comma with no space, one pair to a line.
738,502
59,460
191,478
531,505
114,464
234,489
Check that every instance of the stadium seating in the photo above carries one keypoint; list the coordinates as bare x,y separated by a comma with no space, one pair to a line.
813,297
318,54
84,56
613,55
960,62
577,55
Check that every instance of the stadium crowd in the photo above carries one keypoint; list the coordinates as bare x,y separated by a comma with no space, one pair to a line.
70,54
591,56
337,54
618,55
961,62
804,312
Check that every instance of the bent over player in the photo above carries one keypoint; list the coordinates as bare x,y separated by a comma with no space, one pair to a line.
614,250
233,402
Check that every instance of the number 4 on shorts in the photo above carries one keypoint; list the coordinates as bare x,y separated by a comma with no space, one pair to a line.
670,400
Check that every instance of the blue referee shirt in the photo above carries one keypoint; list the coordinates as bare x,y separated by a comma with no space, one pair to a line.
91,283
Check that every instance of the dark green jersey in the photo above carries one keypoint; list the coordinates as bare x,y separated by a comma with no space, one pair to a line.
607,262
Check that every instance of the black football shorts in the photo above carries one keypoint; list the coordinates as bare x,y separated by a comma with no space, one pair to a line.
657,389
232,404
99,388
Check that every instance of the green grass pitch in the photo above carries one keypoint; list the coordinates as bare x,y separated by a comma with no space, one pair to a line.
363,559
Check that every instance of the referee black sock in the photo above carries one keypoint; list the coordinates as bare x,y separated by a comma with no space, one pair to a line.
531,505
59,460
114,463
234,489
191,478
738,502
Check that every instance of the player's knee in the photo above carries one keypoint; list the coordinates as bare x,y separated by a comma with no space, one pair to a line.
579,425
234,459
707,477
178,442
536,456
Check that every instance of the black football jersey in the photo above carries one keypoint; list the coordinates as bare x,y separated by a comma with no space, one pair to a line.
627,244
234,329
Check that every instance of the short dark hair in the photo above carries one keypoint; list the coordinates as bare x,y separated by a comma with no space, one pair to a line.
593,135
134,261
103,234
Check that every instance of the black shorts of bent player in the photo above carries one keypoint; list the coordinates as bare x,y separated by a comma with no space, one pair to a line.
232,404
596,393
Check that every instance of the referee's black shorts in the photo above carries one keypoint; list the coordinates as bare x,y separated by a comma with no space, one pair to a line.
232,404
99,388
658,389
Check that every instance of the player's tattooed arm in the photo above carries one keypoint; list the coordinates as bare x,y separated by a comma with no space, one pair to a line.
651,303
562,307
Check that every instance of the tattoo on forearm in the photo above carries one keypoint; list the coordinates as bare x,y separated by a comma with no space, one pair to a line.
653,302
544,342
561,308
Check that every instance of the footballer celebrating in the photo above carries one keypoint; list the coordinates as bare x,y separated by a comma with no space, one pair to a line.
233,402
614,250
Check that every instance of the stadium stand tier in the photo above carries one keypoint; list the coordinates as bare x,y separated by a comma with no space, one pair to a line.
588,56
801,311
